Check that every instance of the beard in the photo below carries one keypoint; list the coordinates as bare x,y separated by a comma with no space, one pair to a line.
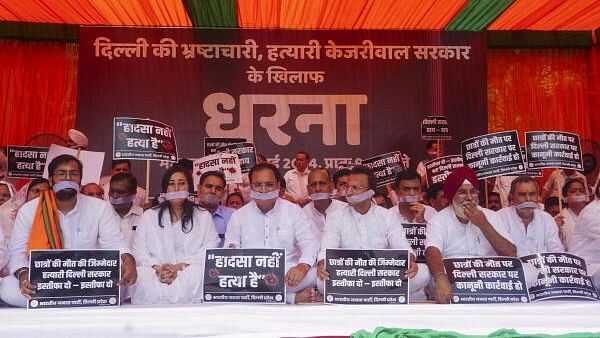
459,208
66,194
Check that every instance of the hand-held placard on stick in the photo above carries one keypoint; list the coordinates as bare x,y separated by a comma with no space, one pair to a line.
366,276
385,167
494,154
143,139
553,149
244,276
486,280
245,151
228,163
560,275
92,161
435,128
437,170
26,162
74,278
212,144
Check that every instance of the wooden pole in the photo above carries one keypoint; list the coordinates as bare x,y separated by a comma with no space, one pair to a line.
485,188
147,180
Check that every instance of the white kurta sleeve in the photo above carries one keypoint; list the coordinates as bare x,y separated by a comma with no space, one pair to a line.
553,242
141,240
17,249
109,232
589,222
499,225
396,234
434,233
305,238
331,235
3,250
205,237
233,234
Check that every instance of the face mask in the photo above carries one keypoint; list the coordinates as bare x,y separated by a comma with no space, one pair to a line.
360,197
264,196
319,196
120,200
526,205
209,200
578,199
62,185
409,199
175,195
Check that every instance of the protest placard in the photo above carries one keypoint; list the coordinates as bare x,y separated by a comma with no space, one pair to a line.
26,162
366,276
435,128
415,235
143,139
486,280
74,278
212,144
92,162
228,163
244,276
560,275
245,151
438,169
494,154
553,149
385,167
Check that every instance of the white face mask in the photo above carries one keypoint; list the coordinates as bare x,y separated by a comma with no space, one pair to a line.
409,199
318,196
526,205
577,199
264,196
174,195
62,185
355,199
209,200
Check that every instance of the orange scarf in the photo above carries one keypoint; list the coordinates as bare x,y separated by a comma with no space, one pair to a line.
45,230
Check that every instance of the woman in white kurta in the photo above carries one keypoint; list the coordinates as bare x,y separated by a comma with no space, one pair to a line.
576,196
170,244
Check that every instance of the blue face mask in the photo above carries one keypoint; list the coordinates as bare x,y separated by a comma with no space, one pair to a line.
62,185
264,196
121,200
355,199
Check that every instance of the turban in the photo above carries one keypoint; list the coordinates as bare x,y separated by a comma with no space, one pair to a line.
457,178
78,138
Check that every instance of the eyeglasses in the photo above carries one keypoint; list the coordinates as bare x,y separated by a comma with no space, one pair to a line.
463,193
63,173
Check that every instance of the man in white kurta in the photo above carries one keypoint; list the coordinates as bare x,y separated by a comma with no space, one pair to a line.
124,166
85,222
296,180
155,245
586,238
531,229
322,204
272,222
362,224
463,229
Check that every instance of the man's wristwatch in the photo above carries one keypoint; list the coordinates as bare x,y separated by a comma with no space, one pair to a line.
19,271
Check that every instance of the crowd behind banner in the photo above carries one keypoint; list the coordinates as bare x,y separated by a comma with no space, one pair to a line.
466,228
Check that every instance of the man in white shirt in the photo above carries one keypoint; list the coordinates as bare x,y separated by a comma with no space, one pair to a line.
121,195
211,189
340,183
530,228
322,205
557,179
296,180
463,229
124,166
364,225
585,241
85,223
269,221
408,189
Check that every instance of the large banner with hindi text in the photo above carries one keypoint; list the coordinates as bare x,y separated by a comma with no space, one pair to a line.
340,95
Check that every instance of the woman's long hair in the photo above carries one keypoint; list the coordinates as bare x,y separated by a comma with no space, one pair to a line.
187,219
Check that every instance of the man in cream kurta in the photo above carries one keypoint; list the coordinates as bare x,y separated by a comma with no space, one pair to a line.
322,204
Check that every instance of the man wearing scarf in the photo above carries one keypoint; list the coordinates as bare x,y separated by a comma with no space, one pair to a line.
362,224
268,221
61,219
532,229
211,189
463,229
320,188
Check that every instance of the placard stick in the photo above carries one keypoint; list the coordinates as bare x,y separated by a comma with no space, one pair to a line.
485,189
78,152
147,180
560,201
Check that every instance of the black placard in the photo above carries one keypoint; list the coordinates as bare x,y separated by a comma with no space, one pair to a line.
415,235
553,149
438,169
244,276
74,278
212,144
494,154
143,139
385,167
435,128
366,276
26,162
560,275
528,171
486,280
245,151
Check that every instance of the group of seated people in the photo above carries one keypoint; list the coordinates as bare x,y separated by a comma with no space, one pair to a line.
163,246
